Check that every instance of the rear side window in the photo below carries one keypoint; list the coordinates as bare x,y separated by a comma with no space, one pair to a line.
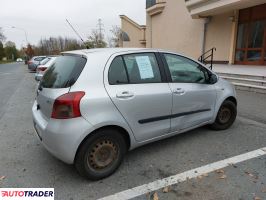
64,72
117,72
134,69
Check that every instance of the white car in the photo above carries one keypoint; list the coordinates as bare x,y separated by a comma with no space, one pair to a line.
92,106
45,64
19,60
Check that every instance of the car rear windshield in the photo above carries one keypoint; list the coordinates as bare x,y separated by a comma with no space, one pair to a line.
39,58
64,72
44,61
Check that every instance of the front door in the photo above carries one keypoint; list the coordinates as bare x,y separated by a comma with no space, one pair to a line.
193,98
264,46
136,87
251,37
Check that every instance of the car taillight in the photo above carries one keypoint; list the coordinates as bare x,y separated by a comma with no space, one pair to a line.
30,62
41,68
67,106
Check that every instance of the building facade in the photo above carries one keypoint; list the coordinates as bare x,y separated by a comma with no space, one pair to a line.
236,28
133,34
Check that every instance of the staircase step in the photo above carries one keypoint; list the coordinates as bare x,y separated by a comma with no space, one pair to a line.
250,88
244,76
256,82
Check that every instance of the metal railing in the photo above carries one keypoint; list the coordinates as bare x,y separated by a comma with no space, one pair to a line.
207,57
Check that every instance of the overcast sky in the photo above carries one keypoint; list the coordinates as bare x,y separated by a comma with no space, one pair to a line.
44,18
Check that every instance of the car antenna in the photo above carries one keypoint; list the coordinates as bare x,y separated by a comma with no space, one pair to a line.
77,34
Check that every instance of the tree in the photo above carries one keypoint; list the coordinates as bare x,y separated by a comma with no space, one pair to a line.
11,51
2,51
2,36
116,36
54,45
95,40
29,51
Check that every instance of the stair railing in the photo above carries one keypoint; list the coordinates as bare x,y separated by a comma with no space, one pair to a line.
207,57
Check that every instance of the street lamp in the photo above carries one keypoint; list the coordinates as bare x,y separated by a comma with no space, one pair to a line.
26,35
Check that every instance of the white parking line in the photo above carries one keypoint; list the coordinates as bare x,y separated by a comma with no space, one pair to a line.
2,73
158,184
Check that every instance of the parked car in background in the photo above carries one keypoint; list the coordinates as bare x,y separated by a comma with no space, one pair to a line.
46,63
19,60
92,106
34,62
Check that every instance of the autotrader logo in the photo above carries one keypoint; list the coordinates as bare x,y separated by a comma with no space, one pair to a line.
27,193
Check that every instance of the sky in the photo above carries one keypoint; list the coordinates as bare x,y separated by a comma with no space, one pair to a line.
45,18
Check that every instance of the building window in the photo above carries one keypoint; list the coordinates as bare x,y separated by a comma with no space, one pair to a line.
150,3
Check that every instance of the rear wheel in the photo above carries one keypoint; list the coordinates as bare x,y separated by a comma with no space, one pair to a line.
226,116
101,154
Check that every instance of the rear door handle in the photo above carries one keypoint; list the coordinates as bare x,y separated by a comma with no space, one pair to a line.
179,91
124,95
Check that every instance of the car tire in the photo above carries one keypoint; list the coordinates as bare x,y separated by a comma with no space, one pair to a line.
101,154
225,116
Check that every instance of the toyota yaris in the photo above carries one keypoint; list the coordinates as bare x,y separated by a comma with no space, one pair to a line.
92,106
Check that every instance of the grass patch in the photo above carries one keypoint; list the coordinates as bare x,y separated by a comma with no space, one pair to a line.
6,61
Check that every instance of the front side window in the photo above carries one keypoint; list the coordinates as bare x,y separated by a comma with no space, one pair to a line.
134,69
184,70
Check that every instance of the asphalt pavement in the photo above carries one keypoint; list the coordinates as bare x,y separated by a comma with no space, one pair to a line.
25,163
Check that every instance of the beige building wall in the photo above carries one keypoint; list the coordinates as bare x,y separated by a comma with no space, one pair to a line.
219,35
135,32
170,26
175,30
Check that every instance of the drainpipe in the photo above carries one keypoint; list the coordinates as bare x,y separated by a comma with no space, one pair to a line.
151,31
205,26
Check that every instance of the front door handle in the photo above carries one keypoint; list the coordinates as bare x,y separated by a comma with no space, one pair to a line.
125,95
179,91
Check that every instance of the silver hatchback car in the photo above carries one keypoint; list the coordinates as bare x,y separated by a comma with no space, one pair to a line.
92,106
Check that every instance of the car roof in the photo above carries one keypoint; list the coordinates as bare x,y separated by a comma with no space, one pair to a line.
111,51
105,50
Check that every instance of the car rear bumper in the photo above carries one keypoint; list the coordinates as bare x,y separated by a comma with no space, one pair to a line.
60,137
32,67
38,76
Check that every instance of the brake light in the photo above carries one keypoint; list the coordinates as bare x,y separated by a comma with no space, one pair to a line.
41,68
67,106
30,62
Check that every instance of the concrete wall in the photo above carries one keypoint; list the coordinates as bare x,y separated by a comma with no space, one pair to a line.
219,35
134,32
175,30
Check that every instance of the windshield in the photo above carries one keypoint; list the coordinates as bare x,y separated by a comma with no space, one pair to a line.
64,72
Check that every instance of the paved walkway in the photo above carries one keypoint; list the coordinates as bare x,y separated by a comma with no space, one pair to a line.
241,69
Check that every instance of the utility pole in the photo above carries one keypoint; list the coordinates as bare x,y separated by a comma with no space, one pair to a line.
100,26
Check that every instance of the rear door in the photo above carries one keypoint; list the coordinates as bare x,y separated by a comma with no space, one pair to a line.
193,97
57,81
137,86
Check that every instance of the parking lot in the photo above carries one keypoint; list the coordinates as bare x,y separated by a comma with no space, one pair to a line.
25,163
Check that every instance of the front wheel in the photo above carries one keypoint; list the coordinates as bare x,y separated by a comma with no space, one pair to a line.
101,154
226,116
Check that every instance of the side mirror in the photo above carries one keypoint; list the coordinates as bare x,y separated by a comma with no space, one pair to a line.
213,79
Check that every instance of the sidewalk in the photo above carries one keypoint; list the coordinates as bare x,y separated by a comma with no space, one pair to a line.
240,69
